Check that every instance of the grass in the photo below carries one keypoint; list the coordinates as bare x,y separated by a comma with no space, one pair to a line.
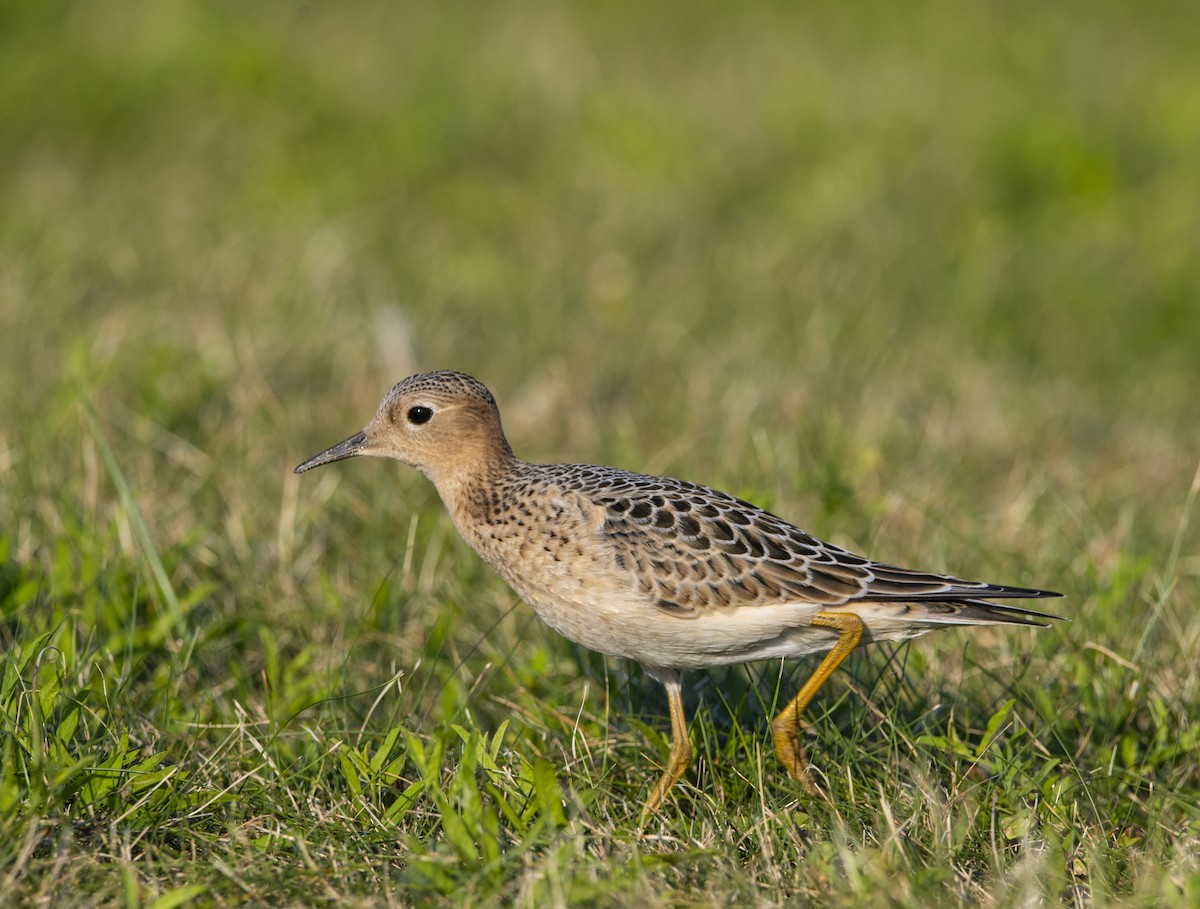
922,280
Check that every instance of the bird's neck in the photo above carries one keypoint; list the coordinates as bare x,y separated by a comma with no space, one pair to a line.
472,495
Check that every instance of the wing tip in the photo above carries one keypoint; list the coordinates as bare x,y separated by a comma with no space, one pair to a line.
1017,615
1007,591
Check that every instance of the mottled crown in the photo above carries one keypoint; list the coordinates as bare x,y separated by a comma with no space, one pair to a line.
442,385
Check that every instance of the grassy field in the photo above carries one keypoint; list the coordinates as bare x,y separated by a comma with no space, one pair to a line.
922,278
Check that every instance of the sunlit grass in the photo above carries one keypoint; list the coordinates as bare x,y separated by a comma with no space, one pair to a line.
922,280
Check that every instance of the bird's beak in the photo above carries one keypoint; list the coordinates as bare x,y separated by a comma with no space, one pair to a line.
355,445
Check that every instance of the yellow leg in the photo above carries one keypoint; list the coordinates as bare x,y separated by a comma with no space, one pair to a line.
681,748
785,727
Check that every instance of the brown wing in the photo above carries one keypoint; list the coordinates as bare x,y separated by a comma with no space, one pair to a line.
693,548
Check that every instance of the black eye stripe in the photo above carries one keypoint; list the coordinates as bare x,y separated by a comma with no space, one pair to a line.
419,415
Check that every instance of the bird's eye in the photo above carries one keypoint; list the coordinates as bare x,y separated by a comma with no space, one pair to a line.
419,415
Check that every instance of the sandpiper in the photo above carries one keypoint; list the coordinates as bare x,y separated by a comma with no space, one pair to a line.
671,574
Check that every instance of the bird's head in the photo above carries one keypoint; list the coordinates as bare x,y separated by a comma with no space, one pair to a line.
444,424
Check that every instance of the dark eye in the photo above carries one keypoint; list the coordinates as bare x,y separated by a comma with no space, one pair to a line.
419,415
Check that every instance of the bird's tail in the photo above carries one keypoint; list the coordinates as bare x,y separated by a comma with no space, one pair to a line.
976,612
897,621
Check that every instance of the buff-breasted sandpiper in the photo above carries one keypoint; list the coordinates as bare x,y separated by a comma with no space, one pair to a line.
668,573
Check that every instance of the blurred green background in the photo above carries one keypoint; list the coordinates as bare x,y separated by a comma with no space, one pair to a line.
922,278
861,236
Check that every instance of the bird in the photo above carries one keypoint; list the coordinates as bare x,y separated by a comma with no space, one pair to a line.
670,574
